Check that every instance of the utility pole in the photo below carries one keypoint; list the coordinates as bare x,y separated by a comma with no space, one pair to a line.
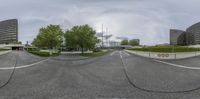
107,37
102,36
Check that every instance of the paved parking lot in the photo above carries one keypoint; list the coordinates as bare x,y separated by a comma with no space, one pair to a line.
116,75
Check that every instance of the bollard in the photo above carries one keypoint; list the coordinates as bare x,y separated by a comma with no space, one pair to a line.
149,54
174,56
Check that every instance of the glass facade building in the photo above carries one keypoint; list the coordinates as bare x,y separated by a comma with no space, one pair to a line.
193,34
177,37
9,31
189,37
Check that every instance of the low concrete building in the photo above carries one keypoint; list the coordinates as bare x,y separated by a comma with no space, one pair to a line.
12,46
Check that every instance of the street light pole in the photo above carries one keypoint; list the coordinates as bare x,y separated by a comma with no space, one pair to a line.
106,37
102,36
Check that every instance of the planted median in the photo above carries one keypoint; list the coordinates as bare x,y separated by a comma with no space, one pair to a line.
43,54
95,54
167,49
1,49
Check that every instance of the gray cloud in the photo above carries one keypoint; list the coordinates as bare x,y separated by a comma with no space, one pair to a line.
149,20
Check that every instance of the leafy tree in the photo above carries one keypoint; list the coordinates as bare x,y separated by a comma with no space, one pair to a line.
49,37
124,42
82,37
134,42
19,42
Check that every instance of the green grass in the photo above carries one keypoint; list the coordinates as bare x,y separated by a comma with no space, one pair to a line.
95,54
166,49
43,54
1,49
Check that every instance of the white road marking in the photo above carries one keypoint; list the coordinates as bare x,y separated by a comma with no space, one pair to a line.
120,53
126,53
113,53
176,65
25,66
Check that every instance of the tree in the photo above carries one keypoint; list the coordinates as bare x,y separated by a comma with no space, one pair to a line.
19,42
134,42
124,42
82,36
49,37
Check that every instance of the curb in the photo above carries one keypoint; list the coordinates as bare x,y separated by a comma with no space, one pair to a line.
5,52
165,56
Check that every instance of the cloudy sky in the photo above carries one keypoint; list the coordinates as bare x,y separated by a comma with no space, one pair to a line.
148,20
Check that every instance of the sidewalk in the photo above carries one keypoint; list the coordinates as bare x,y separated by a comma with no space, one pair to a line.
160,55
5,52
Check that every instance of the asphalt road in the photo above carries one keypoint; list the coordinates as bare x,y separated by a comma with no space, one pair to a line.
116,75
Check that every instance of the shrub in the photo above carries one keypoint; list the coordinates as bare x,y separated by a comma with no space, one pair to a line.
43,54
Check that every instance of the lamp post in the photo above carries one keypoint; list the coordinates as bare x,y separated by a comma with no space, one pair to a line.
102,36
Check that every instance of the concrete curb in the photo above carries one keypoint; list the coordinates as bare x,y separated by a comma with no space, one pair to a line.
5,52
158,55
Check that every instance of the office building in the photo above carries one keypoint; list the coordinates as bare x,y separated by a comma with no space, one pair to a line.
177,37
9,31
193,34
189,37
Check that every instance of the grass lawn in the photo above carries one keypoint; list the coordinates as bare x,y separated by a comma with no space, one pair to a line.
95,54
166,49
43,54
1,49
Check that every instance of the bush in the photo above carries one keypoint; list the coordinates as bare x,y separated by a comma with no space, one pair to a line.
39,53
97,50
43,54
95,54
1,49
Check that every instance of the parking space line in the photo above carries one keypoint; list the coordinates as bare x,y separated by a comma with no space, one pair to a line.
24,66
176,65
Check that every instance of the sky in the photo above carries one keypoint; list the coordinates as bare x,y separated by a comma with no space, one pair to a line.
147,20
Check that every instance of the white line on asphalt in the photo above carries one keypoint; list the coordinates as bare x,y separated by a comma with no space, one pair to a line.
176,65
126,53
120,53
19,67
113,53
